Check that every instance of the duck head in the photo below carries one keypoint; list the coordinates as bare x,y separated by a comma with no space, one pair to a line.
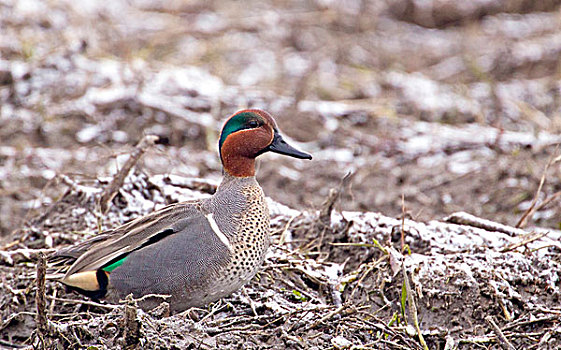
248,134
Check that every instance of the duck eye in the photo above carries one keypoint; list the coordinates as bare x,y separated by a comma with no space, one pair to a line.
253,124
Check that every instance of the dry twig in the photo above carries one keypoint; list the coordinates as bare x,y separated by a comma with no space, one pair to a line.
529,239
503,341
334,195
131,332
532,208
337,311
40,298
548,200
463,218
324,217
113,188
84,302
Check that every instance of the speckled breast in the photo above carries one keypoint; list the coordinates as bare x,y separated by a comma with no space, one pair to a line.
249,244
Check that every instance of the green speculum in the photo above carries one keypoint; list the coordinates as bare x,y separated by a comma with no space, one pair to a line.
114,265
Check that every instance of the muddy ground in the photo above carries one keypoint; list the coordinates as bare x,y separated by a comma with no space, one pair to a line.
436,107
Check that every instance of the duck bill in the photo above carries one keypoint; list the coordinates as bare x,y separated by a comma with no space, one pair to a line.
280,146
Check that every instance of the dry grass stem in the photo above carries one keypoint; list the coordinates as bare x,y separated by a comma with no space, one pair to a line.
413,308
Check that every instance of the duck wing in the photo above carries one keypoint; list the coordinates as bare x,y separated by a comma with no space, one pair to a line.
111,245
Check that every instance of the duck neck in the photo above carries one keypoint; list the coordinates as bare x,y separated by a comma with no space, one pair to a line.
238,166
232,185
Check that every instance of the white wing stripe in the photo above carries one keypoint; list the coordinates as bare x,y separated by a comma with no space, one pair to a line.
216,230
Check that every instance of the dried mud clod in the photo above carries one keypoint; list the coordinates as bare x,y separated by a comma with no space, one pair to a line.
372,295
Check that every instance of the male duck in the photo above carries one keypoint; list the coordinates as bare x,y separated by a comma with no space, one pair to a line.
195,251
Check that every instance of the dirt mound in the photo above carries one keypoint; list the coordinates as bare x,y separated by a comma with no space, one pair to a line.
330,280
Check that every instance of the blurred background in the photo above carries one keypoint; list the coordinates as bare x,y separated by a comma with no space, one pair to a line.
456,105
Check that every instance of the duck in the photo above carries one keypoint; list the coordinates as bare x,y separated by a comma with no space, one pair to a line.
193,252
